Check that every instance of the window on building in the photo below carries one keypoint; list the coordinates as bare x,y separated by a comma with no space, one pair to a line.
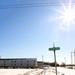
4,61
15,64
15,61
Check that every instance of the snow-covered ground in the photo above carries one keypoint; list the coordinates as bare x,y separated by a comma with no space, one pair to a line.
26,71
47,71
13,71
66,71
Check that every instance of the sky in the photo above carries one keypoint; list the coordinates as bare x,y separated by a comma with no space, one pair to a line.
28,32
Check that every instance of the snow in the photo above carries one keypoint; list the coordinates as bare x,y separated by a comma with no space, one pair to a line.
66,71
13,71
47,71
26,71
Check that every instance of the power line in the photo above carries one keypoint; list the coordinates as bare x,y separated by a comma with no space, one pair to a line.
34,5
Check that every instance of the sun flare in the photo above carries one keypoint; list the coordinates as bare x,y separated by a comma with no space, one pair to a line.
67,15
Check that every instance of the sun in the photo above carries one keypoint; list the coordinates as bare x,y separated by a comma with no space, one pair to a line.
67,15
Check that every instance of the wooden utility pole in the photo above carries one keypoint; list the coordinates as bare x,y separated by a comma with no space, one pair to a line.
54,49
71,58
74,56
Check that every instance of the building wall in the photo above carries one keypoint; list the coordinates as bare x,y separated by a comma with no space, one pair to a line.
40,64
28,62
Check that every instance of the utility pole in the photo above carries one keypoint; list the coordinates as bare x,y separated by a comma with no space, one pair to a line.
65,60
71,58
74,56
43,61
54,49
55,59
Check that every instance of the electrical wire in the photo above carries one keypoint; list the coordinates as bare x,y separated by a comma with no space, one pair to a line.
34,5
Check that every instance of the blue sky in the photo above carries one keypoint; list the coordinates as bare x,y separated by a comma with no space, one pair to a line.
29,32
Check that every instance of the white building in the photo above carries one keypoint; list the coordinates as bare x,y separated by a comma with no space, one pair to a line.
18,62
